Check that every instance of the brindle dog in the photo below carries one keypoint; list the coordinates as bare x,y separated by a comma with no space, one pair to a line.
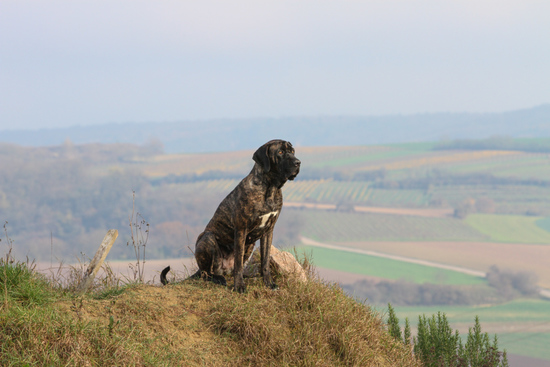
246,215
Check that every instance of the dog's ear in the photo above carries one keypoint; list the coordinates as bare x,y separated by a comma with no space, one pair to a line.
261,156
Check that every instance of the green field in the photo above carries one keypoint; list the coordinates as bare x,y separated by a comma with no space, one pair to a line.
521,310
343,227
544,223
523,166
531,338
510,228
384,268
357,192
395,152
533,345
339,157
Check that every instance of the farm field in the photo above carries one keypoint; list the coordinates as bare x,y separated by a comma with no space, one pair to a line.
360,158
346,227
385,268
474,255
523,326
508,199
420,212
359,192
510,228
526,165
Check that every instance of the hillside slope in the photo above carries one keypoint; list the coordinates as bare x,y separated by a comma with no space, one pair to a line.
199,324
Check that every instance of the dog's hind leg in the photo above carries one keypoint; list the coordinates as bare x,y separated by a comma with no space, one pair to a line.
209,258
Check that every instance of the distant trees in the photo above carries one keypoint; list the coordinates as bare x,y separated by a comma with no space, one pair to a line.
503,285
511,284
471,205
59,201
497,143
404,293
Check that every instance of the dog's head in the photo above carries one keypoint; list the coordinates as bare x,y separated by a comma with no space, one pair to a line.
277,157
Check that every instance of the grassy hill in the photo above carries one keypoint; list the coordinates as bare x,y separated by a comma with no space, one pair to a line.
193,323
472,204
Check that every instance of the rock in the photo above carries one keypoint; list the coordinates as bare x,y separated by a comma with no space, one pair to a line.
282,262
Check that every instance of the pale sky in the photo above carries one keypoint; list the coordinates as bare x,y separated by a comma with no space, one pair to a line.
80,62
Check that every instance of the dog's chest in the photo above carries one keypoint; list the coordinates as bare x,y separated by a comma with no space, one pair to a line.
266,218
263,224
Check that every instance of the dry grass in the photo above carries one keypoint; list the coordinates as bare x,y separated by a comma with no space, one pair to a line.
305,324
196,323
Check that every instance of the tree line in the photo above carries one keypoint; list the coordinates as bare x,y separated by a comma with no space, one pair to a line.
502,285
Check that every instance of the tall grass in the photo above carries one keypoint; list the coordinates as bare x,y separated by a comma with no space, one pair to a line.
44,322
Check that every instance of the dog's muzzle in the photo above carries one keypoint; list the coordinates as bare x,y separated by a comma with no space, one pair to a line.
295,169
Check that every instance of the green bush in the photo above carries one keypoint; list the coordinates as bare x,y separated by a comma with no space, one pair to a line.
437,346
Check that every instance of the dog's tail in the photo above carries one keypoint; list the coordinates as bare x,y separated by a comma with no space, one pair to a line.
165,271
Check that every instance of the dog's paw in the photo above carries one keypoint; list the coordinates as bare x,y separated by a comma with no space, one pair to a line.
239,286
219,279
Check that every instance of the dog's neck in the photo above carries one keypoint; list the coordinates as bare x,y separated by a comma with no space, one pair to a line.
266,179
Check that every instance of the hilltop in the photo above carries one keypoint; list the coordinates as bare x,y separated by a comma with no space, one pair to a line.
192,323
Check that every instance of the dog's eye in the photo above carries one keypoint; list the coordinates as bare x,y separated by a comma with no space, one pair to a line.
280,152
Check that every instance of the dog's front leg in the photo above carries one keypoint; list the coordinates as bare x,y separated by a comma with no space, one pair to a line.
265,250
240,237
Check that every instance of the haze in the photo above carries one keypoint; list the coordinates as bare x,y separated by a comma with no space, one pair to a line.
66,63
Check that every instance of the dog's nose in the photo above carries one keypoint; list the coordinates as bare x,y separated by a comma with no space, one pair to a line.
297,163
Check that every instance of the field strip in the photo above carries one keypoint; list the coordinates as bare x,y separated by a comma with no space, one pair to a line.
310,205
308,241
429,213
459,269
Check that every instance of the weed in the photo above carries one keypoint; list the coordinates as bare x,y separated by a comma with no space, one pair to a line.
139,234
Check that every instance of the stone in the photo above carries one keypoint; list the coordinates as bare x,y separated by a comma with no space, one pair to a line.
281,262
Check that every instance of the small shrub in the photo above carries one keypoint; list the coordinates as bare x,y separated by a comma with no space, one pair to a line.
437,346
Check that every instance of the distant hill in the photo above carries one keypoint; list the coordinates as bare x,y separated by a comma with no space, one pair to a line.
240,134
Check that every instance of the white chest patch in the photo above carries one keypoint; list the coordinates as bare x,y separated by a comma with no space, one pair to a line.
266,217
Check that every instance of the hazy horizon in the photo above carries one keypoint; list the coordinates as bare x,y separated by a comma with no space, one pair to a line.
86,63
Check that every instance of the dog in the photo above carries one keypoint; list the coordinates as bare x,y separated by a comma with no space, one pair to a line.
246,215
